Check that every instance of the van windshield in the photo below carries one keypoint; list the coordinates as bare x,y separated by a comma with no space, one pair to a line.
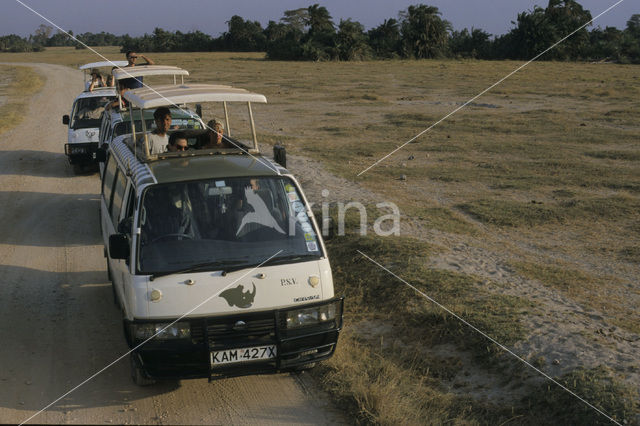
217,222
87,111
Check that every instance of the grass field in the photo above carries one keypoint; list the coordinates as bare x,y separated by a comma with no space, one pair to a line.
542,173
16,85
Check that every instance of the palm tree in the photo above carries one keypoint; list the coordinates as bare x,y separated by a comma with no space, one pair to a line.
424,33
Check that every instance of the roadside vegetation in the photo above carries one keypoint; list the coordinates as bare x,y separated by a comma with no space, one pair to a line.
404,360
542,171
420,31
16,87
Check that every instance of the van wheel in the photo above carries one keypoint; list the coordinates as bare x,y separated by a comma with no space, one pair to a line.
138,375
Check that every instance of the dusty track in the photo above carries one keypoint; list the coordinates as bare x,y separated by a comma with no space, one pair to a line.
58,325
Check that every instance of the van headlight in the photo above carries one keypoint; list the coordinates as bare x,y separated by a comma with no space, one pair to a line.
179,330
312,316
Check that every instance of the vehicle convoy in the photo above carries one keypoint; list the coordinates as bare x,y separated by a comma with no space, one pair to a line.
215,257
84,120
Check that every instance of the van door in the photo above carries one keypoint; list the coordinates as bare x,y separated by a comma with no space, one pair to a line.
108,179
122,270
119,267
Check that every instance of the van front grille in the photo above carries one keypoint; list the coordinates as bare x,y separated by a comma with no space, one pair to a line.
234,331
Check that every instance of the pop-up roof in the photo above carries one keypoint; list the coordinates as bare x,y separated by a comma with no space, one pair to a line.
147,70
146,98
194,93
104,64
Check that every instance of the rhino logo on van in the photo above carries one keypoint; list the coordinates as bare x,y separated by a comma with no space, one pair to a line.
237,297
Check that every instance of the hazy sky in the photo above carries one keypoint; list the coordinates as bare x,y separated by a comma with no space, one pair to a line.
137,17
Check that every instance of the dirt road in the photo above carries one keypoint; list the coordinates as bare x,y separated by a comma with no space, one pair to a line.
58,325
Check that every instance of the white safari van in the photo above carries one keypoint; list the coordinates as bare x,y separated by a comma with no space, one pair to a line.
214,254
84,120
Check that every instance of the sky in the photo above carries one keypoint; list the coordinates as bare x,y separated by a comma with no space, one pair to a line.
136,17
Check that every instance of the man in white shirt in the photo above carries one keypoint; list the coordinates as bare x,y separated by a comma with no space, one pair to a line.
158,139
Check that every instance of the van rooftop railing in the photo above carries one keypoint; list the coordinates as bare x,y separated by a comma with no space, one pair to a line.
149,70
155,97
103,64
169,96
145,71
86,69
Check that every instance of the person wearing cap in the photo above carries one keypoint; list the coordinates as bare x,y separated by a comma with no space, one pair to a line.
216,130
97,80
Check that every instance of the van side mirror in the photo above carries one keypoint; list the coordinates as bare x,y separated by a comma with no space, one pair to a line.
65,120
280,154
199,110
119,246
101,155
124,227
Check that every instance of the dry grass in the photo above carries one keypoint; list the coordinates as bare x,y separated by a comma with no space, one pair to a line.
21,82
596,292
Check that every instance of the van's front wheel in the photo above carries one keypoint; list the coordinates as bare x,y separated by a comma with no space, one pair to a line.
138,375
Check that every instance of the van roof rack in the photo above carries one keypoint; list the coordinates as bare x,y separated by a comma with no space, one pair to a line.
103,64
172,95
178,95
148,70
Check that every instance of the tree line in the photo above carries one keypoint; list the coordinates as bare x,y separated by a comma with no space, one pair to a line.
419,32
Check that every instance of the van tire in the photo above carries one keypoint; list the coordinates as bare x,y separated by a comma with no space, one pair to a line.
138,375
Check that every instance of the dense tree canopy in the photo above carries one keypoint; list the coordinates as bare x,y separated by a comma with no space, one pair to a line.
419,32
424,33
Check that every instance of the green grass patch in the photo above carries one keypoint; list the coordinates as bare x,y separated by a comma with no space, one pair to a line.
517,213
615,155
443,219
630,254
596,292
511,213
599,386
22,83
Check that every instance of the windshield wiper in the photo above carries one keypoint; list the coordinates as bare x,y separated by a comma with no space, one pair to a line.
227,266
289,258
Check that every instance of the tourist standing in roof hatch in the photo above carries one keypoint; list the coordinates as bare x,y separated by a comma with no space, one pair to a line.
158,139
132,58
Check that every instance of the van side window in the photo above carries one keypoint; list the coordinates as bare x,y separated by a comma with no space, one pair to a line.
107,181
118,196
131,201
107,138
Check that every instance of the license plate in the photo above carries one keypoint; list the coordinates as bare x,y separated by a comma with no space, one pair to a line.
243,355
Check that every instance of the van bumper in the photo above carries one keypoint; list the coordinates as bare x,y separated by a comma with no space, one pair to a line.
80,153
296,348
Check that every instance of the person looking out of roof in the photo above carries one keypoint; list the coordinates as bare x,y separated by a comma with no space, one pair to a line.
159,138
97,80
135,82
177,142
216,130
116,103
111,81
